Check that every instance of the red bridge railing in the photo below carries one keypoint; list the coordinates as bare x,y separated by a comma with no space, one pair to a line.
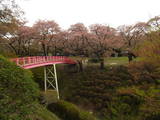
42,61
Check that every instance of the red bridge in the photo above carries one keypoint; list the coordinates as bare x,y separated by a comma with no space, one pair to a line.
38,61
49,63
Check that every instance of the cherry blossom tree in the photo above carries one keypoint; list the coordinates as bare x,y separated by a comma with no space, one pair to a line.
22,40
77,39
46,33
132,34
102,40
154,23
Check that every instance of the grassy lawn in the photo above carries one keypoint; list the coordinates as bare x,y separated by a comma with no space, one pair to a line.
110,60
119,60
116,60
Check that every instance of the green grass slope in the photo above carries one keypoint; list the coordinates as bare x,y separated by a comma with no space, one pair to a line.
42,113
69,111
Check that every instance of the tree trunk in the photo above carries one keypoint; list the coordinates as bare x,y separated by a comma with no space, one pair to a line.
55,50
44,49
80,64
102,64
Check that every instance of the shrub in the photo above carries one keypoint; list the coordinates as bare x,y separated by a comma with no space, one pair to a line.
7,53
150,48
18,92
38,76
125,92
144,72
68,111
131,95
153,116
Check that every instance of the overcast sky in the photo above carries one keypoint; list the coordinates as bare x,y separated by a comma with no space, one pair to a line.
110,12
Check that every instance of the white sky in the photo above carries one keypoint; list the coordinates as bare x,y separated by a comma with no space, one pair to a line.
68,12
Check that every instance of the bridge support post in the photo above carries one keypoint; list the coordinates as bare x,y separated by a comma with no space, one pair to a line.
55,74
50,78
45,79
